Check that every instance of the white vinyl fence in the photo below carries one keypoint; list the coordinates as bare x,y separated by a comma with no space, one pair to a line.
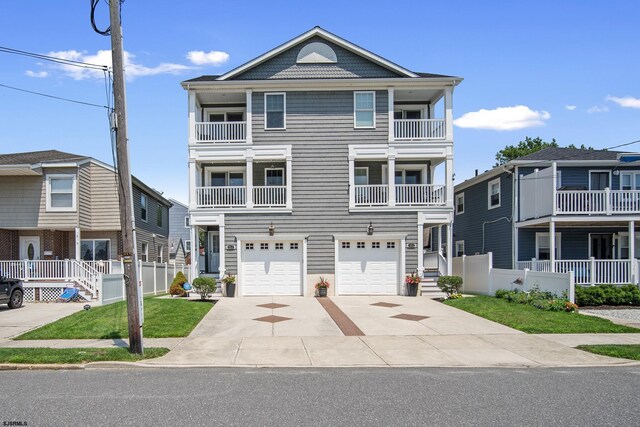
479,277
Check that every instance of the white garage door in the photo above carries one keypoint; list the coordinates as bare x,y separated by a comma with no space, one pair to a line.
271,268
368,267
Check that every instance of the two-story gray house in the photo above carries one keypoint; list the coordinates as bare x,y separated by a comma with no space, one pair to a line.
57,206
319,158
559,209
179,232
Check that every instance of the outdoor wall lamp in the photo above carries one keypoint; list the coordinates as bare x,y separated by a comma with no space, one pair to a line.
272,230
370,228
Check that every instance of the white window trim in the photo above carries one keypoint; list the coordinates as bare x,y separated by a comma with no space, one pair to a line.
94,246
459,244
459,196
558,179
355,122
599,171
619,245
224,110
284,181
74,192
633,173
160,254
558,244
406,167
403,108
146,207
284,106
489,184
187,245
366,168
187,222
144,250
227,170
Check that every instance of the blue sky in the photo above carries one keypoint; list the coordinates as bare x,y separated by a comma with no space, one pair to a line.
570,68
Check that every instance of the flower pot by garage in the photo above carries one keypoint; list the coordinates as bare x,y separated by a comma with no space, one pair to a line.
322,292
412,290
231,290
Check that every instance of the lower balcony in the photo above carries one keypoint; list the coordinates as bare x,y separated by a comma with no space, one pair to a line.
405,195
590,271
237,197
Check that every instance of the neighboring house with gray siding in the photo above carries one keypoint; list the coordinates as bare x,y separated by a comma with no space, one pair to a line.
179,232
58,206
320,158
559,209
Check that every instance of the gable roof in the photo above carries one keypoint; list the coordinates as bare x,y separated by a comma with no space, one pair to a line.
567,153
32,157
317,31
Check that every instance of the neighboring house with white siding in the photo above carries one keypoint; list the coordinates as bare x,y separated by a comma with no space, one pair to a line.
320,158
57,206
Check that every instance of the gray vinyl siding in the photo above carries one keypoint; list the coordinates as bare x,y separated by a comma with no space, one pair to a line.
84,195
579,176
375,170
144,236
151,225
20,195
283,66
177,213
105,208
497,235
259,168
322,118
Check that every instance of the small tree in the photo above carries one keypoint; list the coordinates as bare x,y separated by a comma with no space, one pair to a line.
528,146
180,279
204,286
176,286
450,285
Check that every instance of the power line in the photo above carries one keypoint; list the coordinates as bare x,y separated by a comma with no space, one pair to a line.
54,97
62,61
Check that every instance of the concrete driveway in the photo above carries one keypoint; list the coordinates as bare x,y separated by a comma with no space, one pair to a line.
32,315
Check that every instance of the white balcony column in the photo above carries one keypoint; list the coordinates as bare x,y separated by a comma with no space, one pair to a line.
192,117
221,267
352,188
78,242
195,251
552,246
249,198
193,183
390,97
554,188
448,113
449,181
248,118
391,179
632,240
439,239
289,180
420,248
449,249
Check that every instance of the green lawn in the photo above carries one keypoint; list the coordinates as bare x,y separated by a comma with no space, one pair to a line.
626,351
163,318
535,321
75,355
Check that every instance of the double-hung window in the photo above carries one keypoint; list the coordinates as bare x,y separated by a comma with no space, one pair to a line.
275,106
159,254
144,252
143,207
364,109
494,193
459,203
459,248
61,193
159,215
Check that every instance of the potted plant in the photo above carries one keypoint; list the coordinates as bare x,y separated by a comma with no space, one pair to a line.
322,286
412,281
229,282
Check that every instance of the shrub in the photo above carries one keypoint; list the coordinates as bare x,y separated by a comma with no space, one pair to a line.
607,295
180,279
176,289
538,299
204,286
450,285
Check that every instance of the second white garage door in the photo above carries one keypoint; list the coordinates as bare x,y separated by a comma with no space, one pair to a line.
368,267
271,268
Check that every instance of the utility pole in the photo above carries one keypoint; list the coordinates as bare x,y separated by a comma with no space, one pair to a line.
127,218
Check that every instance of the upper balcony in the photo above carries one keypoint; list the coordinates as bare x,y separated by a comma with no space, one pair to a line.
219,117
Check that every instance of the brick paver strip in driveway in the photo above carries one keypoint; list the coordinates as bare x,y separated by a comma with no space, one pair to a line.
345,324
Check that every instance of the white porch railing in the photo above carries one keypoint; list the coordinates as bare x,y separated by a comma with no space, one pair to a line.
590,271
371,195
221,132
270,195
602,202
103,267
420,194
418,129
221,196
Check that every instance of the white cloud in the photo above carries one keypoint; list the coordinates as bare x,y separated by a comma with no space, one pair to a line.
503,118
627,101
36,74
103,57
570,107
598,109
215,58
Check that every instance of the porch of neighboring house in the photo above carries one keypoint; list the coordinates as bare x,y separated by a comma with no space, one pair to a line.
596,252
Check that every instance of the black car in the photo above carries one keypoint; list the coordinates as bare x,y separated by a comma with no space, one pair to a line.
11,292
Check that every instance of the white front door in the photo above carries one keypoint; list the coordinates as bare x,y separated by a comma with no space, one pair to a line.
271,267
368,267
30,247
214,252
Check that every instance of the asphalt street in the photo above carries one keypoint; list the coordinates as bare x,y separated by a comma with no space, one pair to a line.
294,397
